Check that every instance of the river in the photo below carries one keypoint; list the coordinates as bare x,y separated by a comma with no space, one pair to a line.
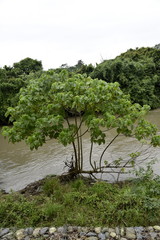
19,166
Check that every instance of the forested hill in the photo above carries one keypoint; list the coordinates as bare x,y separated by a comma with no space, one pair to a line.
138,73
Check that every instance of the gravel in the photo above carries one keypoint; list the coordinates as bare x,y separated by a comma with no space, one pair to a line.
84,233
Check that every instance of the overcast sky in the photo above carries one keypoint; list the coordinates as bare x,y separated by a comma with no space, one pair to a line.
65,31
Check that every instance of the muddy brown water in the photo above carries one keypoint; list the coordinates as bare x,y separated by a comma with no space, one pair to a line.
19,166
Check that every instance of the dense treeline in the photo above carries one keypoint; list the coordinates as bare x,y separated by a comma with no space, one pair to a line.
137,71
12,79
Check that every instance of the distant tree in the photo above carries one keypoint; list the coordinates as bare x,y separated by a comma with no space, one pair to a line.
28,65
157,46
76,67
87,69
64,65
9,88
80,67
12,78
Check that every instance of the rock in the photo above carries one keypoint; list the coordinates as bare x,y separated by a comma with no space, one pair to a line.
122,231
111,230
20,234
130,233
101,236
107,234
55,236
64,236
157,228
62,230
45,236
82,234
52,230
97,230
84,229
9,236
43,230
4,232
70,229
27,238
79,229
117,230
75,228
149,229
153,235
36,232
92,238
112,234
105,229
91,234
28,231
139,231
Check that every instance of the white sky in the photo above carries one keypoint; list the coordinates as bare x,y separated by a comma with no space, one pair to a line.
65,31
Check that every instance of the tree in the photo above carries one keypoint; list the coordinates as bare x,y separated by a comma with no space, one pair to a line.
9,87
46,103
87,69
12,79
28,65
137,72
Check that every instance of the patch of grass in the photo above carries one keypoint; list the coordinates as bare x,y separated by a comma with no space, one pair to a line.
80,203
17,210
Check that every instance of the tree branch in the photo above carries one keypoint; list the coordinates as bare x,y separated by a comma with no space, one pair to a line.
74,147
90,155
100,160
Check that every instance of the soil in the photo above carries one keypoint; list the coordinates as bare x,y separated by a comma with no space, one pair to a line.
35,188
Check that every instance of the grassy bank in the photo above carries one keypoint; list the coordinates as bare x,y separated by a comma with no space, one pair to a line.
81,202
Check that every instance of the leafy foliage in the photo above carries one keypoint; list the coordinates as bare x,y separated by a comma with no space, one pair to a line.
47,102
9,88
28,65
138,73
11,80
80,68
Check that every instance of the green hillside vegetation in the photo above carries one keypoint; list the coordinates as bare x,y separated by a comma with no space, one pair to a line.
138,73
12,79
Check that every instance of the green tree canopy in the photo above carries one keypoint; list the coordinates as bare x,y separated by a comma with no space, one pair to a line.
12,79
28,65
44,108
138,73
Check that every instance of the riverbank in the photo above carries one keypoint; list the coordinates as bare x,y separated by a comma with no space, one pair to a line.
85,233
55,202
